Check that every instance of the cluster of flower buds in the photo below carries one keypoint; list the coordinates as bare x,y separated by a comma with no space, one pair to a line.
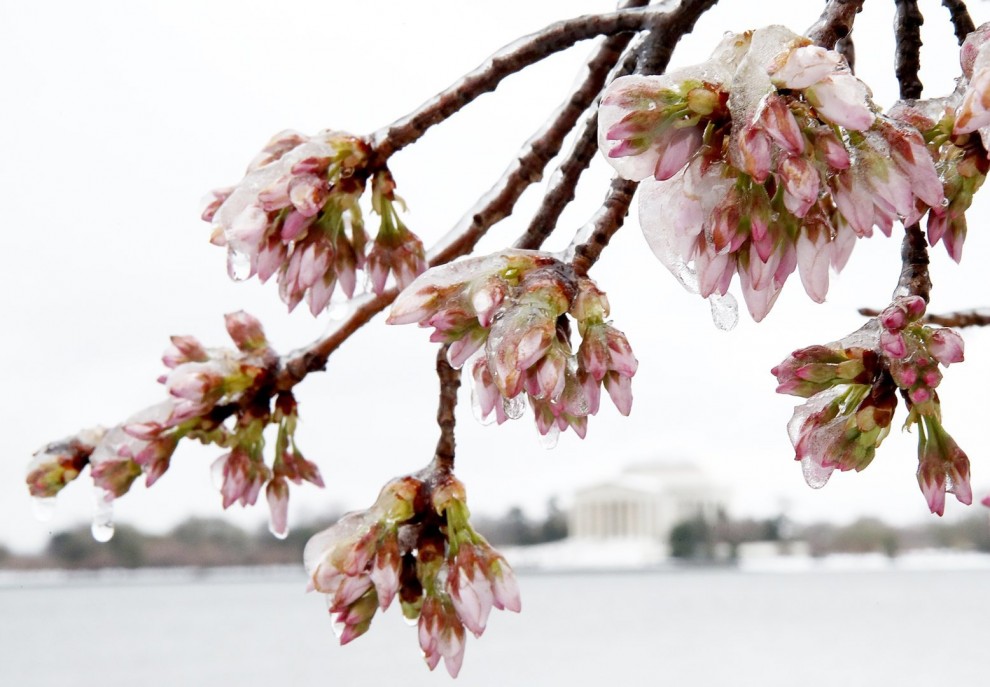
516,307
769,157
297,214
957,131
201,381
415,543
852,385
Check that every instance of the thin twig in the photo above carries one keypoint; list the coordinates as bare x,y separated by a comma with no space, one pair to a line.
607,222
962,23
835,23
515,58
907,33
966,318
450,381
914,279
565,179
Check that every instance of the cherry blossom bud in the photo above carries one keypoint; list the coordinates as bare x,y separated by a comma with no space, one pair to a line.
777,120
677,150
844,100
942,467
277,494
946,346
246,331
60,462
813,256
804,66
754,152
801,184
184,349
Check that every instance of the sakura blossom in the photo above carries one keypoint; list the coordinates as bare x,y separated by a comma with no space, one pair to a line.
852,387
416,544
297,216
795,162
513,310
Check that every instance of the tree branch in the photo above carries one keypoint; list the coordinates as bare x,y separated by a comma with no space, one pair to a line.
509,60
450,381
966,318
606,222
914,279
835,23
962,23
907,31
845,47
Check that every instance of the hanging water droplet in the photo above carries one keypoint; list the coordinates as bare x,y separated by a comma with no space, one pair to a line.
514,407
275,533
725,311
238,265
411,622
549,440
337,624
102,528
815,475
43,508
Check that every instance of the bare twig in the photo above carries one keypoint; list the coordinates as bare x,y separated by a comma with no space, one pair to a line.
907,32
450,381
962,23
835,23
914,279
966,318
511,59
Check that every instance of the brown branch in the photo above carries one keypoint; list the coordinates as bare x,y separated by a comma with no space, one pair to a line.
847,48
511,59
907,32
835,23
607,221
966,318
962,23
450,381
914,279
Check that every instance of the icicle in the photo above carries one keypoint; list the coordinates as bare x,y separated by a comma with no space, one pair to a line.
725,311
43,508
102,527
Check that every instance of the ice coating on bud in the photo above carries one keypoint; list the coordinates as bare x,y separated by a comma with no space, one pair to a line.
246,331
942,466
60,462
296,216
794,165
517,308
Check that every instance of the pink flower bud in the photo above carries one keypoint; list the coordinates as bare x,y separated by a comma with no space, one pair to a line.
842,99
246,331
804,66
946,346
277,494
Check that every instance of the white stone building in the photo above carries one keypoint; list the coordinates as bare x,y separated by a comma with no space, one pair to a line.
645,502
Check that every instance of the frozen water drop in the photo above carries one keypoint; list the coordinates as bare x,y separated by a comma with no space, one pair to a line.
238,265
43,508
725,311
514,407
337,624
549,440
275,533
338,310
815,474
102,528
411,622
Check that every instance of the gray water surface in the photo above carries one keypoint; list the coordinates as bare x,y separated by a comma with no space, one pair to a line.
706,627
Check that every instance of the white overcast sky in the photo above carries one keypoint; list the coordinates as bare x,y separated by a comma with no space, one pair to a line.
119,116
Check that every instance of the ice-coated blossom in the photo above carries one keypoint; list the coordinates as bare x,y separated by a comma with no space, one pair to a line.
515,309
416,544
60,462
942,466
852,387
794,164
296,215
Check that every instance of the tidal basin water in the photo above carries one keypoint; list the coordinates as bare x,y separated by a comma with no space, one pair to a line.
699,627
